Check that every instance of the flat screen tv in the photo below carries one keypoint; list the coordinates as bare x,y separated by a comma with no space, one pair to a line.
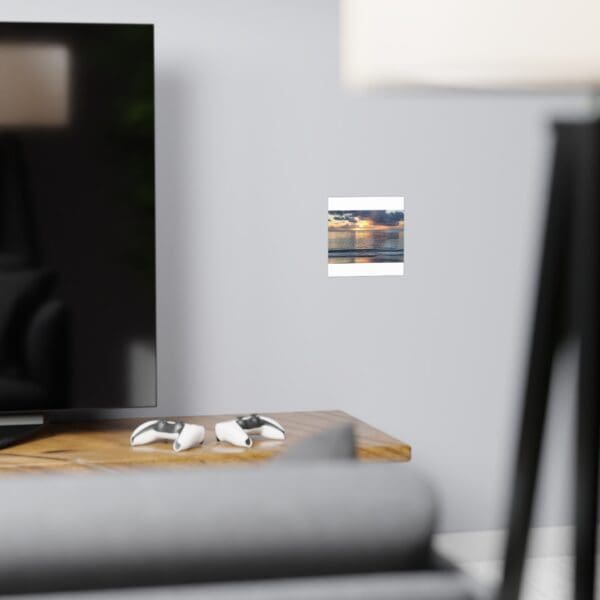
77,219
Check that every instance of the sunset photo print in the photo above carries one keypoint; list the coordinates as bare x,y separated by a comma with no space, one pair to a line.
365,236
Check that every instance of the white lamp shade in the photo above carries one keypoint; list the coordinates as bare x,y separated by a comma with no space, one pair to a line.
34,85
513,44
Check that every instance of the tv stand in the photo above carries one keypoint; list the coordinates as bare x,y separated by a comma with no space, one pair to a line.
104,445
16,428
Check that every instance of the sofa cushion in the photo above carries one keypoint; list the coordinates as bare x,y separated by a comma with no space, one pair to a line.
189,526
20,292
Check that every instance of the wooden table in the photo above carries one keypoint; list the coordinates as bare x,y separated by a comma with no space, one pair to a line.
104,445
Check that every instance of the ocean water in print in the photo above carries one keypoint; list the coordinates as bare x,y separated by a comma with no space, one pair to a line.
365,236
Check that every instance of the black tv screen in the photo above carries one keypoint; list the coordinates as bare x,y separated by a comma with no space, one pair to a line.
77,219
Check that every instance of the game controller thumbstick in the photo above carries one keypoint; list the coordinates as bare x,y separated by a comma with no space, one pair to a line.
183,435
237,431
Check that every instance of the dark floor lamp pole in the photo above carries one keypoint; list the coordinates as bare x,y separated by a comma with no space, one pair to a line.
568,303
588,303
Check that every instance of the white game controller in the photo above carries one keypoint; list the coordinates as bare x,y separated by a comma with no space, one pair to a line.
183,435
236,431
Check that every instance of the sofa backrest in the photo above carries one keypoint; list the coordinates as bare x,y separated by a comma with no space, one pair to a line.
154,527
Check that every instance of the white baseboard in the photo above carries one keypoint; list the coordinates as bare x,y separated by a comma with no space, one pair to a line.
474,546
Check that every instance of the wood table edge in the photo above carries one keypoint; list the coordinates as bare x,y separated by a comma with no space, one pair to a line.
388,449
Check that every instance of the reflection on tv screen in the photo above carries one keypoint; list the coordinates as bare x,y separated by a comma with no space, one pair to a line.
77,234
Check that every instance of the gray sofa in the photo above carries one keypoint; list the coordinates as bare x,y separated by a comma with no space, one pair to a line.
304,529
314,524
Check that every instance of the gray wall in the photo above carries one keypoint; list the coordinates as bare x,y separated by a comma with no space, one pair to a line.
253,134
